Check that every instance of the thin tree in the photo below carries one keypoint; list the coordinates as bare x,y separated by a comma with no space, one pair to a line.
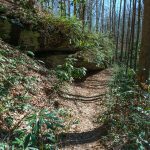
128,35
118,31
123,31
69,8
97,15
75,8
102,16
138,34
133,33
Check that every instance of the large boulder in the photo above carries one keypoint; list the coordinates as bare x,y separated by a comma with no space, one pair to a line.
90,66
54,60
51,61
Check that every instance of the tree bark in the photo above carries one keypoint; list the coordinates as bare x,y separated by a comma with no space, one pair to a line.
144,59
138,34
123,32
75,8
97,15
69,8
133,33
118,31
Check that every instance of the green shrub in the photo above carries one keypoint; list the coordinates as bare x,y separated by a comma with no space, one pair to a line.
97,48
40,132
128,110
68,72
2,9
39,126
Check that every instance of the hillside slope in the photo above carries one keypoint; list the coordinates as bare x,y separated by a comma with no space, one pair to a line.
26,86
23,84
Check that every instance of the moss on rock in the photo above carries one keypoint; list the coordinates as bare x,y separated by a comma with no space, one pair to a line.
5,29
54,60
29,40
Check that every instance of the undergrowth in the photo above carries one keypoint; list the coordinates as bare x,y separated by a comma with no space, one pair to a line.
63,32
97,48
128,112
24,125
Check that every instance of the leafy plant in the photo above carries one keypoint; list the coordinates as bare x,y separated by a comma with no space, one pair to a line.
30,53
68,72
41,130
97,48
2,9
128,111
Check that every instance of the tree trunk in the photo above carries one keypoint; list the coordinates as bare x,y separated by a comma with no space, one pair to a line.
97,16
118,31
75,8
69,8
102,17
114,19
127,52
133,33
144,59
123,32
138,34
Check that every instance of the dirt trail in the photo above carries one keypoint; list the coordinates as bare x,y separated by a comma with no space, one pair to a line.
86,101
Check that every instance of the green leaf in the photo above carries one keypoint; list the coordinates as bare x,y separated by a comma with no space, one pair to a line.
30,53
33,139
51,137
49,125
27,140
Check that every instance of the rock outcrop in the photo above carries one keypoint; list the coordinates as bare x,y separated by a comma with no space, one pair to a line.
49,38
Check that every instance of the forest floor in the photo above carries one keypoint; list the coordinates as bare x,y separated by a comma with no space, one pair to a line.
86,103
86,100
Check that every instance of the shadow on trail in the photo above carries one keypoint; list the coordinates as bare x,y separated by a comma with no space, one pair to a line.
67,139
74,97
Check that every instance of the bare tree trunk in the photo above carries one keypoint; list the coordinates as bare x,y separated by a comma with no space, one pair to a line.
133,32
102,16
97,16
123,32
64,9
127,53
118,31
110,14
144,59
100,8
83,14
138,33
61,8
69,8
89,15
114,19
75,8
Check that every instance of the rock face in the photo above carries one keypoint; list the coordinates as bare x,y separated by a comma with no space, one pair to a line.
54,60
51,47
90,66
51,61
17,36
29,40
5,29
